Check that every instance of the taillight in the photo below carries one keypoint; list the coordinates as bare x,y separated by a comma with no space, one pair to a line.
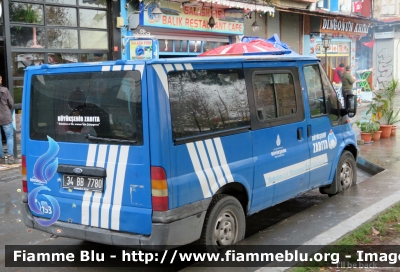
23,173
159,189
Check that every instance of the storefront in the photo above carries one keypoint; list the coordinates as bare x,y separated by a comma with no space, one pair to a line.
52,32
183,27
344,34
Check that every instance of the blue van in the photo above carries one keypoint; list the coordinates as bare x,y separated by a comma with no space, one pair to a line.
169,151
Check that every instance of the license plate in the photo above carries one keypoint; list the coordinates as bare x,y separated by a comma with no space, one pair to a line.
83,183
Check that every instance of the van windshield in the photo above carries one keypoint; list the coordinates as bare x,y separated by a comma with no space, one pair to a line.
87,107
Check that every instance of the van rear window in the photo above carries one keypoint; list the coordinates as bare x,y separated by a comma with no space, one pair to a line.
103,105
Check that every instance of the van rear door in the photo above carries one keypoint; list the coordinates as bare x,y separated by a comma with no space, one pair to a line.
86,154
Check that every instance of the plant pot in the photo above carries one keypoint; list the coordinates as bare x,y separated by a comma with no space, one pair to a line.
393,134
377,135
366,137
386,131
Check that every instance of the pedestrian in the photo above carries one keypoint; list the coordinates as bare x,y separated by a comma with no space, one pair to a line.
337,74
347,82
6,105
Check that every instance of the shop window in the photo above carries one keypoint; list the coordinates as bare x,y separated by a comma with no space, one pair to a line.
17,88
195,46
60,16
22,60
24,36
62,38
26,13
166,45
93,3
58,58
63,2
94,39
207,101
208,46
93,57
92,18
181,46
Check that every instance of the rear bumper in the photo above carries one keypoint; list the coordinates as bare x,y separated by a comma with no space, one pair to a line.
163,235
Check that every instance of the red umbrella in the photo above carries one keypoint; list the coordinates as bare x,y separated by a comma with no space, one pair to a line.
240,48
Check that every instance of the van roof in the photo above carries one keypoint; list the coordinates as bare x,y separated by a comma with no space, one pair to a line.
256,57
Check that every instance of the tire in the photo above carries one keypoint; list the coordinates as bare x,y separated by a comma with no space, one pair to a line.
224,224
345,176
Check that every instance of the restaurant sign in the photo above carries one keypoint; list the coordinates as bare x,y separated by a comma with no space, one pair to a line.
343,27
192,17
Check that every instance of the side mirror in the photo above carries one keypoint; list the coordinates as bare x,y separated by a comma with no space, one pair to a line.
351,105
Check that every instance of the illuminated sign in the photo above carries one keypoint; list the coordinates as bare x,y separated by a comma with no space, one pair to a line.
193,18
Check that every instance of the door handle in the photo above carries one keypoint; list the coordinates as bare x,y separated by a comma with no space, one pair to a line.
299,134
308,131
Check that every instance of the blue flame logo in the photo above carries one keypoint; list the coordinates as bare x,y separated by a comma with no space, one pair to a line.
43,170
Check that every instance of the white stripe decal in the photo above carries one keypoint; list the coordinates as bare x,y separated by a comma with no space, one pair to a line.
188,66
162,76
140,69
88,194
101,157
215,163
178,67
129,67
197,169
117,68
222,159
119,187
168,67
106,203
206,167
105,68
318,161
291,171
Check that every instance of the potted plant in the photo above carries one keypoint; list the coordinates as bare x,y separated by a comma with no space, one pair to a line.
378,109
393,118
367,129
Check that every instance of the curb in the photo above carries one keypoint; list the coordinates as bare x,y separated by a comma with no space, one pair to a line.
368,166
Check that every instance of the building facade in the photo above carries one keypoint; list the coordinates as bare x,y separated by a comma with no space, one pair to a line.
387,42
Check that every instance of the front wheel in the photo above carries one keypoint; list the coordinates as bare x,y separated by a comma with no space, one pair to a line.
224,224
345,176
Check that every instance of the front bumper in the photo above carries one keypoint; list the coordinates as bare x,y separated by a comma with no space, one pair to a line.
163,235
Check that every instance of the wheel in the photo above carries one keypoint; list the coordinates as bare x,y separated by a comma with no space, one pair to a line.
224,224
345,176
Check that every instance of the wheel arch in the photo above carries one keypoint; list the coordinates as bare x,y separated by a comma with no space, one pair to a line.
237,190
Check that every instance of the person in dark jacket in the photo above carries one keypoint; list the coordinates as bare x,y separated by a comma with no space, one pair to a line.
6,105
337,74
347,82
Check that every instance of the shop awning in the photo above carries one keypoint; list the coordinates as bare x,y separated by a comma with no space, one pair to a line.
327,14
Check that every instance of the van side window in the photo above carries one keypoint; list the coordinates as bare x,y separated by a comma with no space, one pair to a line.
316,97
274,95
332,102
322,98
206,101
